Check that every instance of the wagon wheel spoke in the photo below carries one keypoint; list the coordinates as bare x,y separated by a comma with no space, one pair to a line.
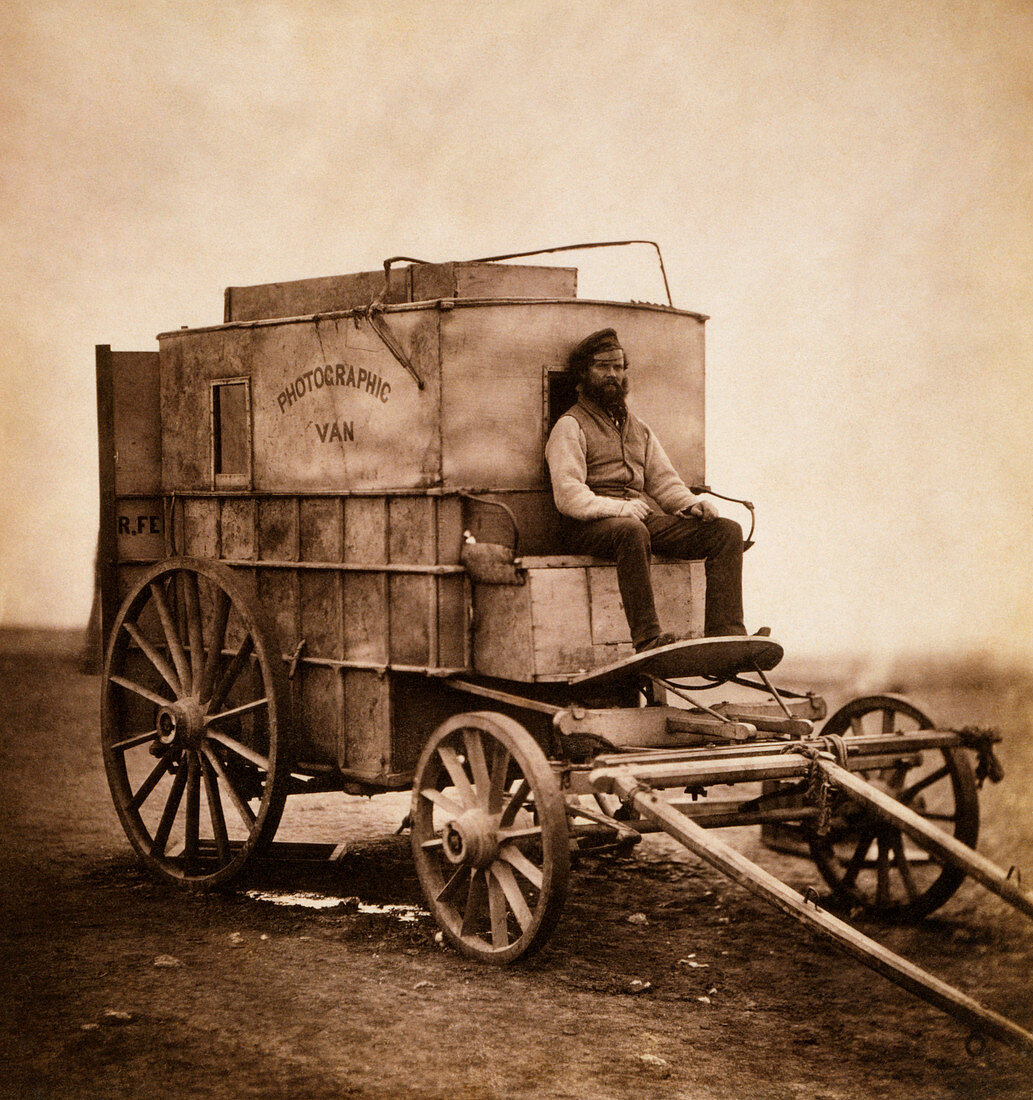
236,712
193,809
519,834
517,902
856,862
453,885
499,770
152,780
498,912
889,721
218,818
213,658
172,638
478,765
457,773
136,740
882,890
909,793
167,673
476,902
192,606
516,800
453,809
241,750
229,677
519,862
168,817
246,813
904,868
139,689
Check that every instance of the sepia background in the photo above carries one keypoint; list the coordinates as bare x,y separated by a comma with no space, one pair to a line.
846,189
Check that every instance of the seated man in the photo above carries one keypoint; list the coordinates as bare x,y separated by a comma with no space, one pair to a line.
611,477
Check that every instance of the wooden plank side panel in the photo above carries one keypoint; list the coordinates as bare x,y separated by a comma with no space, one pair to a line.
570,618
453,599
679,590
561,621
320,599
129,452
329,410
277,595
189,362
432,281
322,529
491,400
366,617
278,535
365,747
413,630
609,623
140,526
127,578
412,530
201,528
503,644
320,713
365,530
450,529
239,529
136,427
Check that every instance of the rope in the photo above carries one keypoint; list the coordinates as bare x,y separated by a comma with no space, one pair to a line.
981,742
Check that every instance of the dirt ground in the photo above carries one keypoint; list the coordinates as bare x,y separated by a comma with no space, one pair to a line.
112,985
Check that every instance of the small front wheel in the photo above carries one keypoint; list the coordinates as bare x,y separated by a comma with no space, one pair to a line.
868,862
489,836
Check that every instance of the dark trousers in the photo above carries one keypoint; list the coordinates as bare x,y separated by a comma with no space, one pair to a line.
628,542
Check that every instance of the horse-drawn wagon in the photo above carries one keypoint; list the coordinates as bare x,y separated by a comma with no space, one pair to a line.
330,561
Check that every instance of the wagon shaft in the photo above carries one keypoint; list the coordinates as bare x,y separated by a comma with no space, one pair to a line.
634,785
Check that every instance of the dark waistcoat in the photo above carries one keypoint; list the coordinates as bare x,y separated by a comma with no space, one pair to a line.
616,457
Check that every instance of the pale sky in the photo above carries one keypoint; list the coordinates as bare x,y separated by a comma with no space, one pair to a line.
846,188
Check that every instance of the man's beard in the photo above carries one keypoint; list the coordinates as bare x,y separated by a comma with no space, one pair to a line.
609,395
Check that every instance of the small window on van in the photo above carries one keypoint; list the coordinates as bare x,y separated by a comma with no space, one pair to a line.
562,394
231,433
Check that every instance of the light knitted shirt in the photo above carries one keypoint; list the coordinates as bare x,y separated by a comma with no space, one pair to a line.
596,467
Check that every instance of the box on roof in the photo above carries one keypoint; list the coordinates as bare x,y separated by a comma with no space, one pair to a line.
415,283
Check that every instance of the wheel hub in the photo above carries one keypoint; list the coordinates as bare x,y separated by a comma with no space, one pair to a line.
470,839
181,724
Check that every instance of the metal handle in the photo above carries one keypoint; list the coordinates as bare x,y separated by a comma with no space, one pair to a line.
747,504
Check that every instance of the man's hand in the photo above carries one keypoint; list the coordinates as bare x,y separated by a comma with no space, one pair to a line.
702,509
635,507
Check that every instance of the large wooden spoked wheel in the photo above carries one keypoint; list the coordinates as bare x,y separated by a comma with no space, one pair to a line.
195,723
489,836
868,862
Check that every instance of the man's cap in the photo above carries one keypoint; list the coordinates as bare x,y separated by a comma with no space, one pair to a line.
599,343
